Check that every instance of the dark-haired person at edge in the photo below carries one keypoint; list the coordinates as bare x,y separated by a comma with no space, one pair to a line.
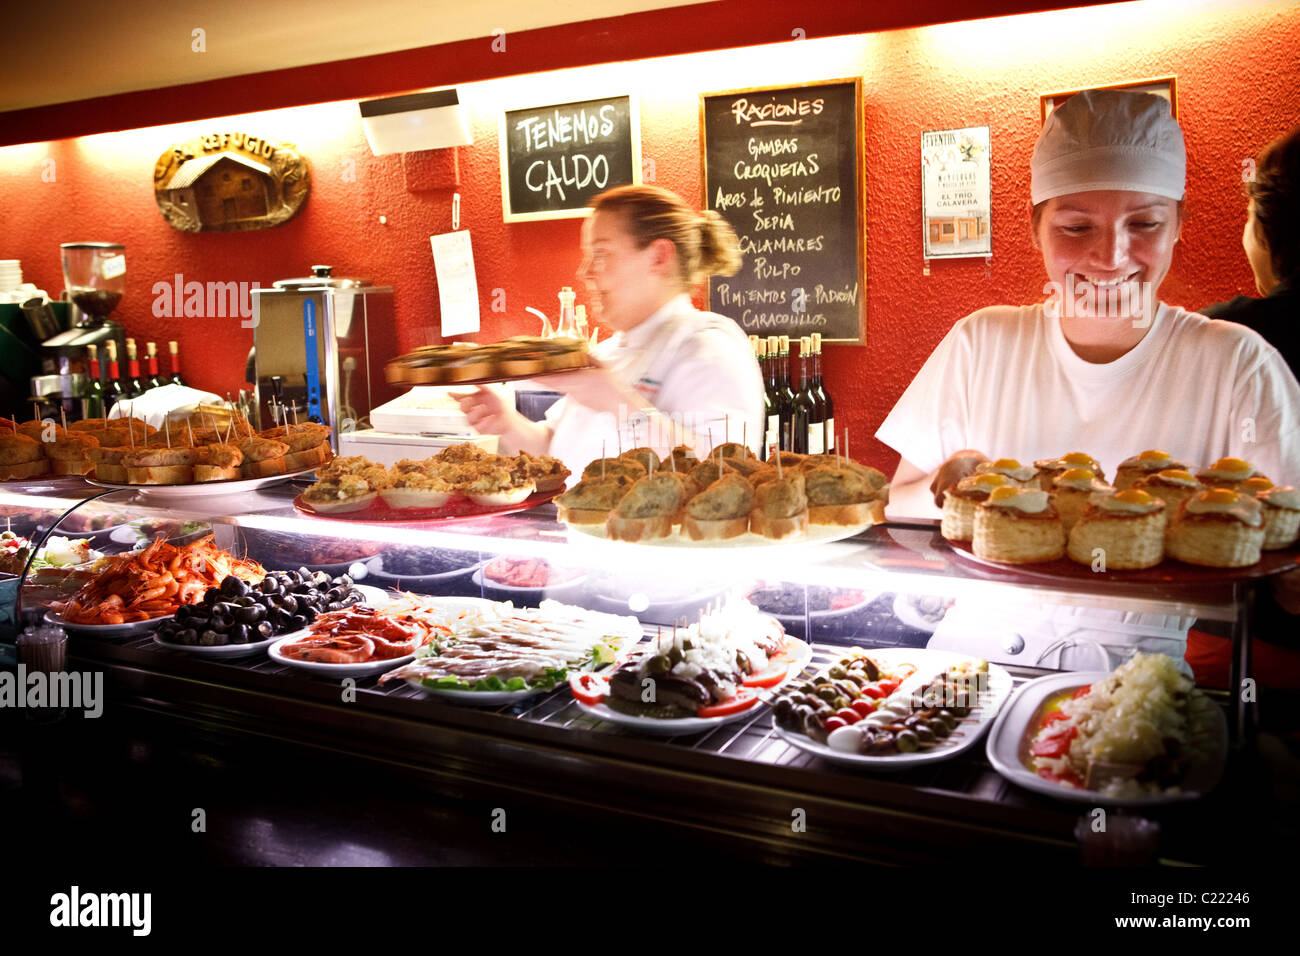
1271,240
671,374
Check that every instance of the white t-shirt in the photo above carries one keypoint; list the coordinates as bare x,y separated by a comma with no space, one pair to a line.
1006,382
696,367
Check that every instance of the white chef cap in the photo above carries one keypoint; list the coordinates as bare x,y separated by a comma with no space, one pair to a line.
1109,139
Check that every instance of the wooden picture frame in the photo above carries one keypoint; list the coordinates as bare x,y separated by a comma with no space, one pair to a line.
1164,86
860,184
578,208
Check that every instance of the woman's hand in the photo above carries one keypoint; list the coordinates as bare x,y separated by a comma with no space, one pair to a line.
597,388
490,414
957,467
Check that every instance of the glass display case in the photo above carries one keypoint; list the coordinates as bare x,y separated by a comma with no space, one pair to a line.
891,586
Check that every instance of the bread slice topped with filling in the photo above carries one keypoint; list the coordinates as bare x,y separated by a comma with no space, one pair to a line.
590,501
841,496
160,466
720,511
780,508
217,462
648,510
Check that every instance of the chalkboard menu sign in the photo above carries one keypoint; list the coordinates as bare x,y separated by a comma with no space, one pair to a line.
784,167
556,158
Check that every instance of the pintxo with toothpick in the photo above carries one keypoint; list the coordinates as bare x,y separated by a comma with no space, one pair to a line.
726,497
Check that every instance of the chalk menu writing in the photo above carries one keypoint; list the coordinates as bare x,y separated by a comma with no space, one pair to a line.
554,159
783,167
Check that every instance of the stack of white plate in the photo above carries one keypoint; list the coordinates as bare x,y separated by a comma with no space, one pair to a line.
11,274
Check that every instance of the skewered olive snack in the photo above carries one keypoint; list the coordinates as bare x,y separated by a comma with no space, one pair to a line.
882,723
237,612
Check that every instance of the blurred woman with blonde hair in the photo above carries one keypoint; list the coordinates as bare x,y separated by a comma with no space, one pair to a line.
670,374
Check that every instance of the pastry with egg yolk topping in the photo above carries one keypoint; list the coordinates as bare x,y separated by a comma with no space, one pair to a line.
1123,531
1218,528
961,500
1018,526
1226,473
1072,489
1009,468
1173,486
1281,509
1132,470
1051,468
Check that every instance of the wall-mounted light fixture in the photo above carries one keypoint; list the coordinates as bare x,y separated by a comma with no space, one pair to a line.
415,121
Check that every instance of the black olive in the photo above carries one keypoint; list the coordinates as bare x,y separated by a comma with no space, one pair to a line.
183,613
211,596
297,622
238,634
269,585
304,574
343,581
211,639
265,629
334,606
219,623
198,621
249,615
309,613
320,579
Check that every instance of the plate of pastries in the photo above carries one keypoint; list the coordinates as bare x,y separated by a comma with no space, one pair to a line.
1158,515
461,481
189,458
523,356
727,499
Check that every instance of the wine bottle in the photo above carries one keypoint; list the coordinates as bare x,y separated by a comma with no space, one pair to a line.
155,380
785,393
133,385
823,396
95,396
770,419
175,379
113,390
801,424
772,438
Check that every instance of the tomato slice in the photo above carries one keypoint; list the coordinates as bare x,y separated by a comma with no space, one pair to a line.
591,689
874,691
743,699
1053,717
1082,691
888,685
1069,777
1056,746
770,677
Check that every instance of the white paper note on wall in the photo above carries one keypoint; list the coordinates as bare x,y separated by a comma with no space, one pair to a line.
453,262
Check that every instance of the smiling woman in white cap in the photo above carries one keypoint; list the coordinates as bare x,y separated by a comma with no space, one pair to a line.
1101,367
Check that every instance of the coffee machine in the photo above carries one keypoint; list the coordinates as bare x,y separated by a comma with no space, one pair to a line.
94,276
320,344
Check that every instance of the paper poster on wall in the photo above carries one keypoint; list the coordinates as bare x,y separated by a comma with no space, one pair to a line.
453,262
956,197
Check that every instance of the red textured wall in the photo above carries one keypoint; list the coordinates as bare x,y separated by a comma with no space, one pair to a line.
1239,87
